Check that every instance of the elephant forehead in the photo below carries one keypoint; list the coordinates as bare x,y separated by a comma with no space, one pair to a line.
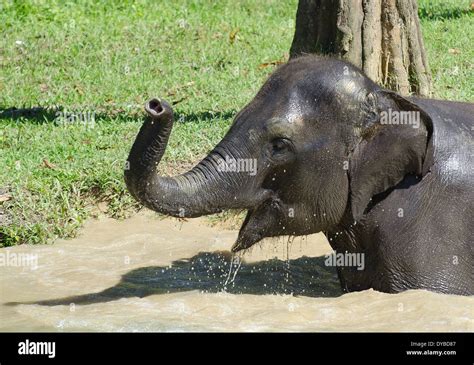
288,125
288,118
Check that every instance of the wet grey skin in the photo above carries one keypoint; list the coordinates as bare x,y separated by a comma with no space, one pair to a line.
327,161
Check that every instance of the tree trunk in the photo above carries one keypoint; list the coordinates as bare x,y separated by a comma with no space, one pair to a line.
382,37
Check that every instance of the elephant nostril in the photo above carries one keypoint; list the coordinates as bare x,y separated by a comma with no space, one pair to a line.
154,107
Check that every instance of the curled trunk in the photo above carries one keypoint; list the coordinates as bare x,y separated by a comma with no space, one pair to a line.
203,190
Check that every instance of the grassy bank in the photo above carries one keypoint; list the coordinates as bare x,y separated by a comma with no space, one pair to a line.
100,63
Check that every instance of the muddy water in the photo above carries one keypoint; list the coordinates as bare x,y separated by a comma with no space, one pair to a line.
147,274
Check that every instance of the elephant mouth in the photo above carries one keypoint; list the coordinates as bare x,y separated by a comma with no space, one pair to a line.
247,237
259,223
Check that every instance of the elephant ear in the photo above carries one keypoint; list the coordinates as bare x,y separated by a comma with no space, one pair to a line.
386,152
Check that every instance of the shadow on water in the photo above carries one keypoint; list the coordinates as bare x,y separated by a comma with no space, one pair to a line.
209,273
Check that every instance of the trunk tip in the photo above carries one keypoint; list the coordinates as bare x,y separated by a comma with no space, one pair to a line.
155,107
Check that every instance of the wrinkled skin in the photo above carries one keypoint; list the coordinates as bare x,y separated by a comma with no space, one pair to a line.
400,195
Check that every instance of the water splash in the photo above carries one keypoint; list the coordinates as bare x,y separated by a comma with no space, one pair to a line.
289,242
235,261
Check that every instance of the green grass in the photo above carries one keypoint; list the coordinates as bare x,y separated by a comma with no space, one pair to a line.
108,58
448,26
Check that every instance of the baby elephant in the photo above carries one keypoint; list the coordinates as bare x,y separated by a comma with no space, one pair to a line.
322,148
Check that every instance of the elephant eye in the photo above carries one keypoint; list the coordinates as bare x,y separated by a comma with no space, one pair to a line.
280,145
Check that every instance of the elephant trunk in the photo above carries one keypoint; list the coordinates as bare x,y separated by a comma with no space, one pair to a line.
206,189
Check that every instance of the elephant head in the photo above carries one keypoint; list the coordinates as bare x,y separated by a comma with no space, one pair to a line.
307,154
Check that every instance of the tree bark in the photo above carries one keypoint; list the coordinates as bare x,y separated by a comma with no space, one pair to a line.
382,37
